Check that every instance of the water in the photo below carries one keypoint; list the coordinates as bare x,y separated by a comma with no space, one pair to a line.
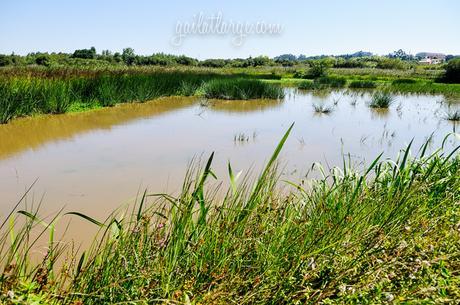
94,162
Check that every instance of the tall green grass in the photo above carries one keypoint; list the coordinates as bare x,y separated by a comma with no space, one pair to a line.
324,82
381,99
241,89
335,240
22,96
359,84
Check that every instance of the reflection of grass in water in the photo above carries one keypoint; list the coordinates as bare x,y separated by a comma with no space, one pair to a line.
241,89
33,132
322,108
23,96
388,228
453,115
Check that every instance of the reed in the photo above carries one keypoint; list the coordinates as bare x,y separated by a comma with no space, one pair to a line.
381,99
241,89
387,231
22,95
362,84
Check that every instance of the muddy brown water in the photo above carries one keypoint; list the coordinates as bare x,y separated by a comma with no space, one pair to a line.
94,162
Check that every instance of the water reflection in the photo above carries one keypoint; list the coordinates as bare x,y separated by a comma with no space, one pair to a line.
34,132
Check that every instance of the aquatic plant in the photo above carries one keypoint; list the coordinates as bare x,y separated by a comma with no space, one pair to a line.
381,99
350,235
453,115
357,84
241,89
322,108
21,96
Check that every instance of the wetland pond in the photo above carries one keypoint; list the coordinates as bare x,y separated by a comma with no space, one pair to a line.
94,162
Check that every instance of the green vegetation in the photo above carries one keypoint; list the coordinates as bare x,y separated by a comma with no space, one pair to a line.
452,74
59,82
321,108
61,90
453,115
381,99
323,83
357,84
387,234
241,89
404,81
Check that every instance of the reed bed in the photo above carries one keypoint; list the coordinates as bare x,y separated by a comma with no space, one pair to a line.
24,95
362,84
241,89
353,236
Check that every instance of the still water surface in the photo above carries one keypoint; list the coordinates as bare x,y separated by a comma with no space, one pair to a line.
94,162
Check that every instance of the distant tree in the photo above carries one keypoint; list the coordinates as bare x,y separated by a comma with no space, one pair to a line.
390,63
117,57
128,56
318,68
261,61
283,57
452,74
43,60
400,54
213,63
85,53
5,60
186,61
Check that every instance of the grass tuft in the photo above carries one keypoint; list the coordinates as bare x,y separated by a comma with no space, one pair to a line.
381,99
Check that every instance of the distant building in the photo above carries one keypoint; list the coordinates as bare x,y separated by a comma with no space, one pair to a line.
431,58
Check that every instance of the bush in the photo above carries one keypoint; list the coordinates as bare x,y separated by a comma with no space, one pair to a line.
362,84
404,81
5,60
452,74
390,63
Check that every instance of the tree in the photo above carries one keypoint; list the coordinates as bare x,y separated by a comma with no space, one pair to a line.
128,56
43,60
85,53
5,60
452,74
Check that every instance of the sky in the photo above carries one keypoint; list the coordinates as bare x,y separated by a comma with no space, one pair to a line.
307,27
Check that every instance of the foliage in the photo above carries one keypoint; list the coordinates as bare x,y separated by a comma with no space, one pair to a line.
241,89
381,99
362,84
85,53
452,74
386,233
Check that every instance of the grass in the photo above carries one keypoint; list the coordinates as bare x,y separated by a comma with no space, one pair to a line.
323,83
62,91
453,115
387,233
358,84
241,89
322,108
381,99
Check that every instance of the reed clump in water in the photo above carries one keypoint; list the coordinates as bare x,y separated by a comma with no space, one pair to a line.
241,89
381,99
24,95
384,233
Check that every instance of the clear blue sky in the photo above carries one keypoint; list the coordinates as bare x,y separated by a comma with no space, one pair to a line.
309,27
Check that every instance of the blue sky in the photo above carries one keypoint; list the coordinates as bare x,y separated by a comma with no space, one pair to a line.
309,27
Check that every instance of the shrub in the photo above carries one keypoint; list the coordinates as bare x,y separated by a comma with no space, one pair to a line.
390,63
404,81
452,74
